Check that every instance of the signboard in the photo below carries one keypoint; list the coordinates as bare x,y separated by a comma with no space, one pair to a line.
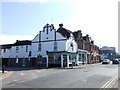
104,55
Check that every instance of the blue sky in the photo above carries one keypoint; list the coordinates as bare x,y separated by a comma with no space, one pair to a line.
24,19
29,18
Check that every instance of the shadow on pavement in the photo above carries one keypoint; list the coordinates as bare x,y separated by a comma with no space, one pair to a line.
22,68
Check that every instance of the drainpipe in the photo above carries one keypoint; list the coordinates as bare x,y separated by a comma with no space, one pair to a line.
47,62
61,61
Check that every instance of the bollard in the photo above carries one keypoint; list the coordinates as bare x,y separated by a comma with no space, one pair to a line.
3,68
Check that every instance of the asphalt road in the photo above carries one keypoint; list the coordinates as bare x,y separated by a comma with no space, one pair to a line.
94,76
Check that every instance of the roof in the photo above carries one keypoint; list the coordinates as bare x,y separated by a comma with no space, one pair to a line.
17,43
64,32
77,33
7,46
24,42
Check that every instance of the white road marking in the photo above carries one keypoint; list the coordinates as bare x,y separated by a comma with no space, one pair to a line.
114,80
22,74
108,84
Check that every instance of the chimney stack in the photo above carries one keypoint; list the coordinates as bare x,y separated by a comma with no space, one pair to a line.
61,25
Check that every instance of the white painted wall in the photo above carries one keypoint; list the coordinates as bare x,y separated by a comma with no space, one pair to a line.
11,53
68,44
47,44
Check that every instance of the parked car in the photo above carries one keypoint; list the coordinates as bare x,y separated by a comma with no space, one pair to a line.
106,61
115,61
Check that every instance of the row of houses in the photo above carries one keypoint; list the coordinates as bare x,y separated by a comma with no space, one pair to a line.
51,47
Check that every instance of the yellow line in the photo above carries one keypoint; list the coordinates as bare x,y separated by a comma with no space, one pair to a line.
6,75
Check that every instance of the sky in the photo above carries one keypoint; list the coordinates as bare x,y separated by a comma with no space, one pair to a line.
23,19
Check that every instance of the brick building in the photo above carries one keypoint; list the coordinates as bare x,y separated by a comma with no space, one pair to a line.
86,43
108,52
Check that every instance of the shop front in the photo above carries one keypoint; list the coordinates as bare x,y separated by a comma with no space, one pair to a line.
61,59
83,57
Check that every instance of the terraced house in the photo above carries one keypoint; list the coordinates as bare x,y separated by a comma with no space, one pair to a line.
51,47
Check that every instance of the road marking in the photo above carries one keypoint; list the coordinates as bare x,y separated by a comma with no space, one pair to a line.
112,82
22,74
108,84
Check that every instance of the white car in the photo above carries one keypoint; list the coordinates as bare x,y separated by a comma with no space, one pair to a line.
106,61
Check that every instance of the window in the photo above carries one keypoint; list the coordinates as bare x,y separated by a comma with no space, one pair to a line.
72,46
80,57
55,46
39,47
4,50
26,48
54,59
29,53
17,48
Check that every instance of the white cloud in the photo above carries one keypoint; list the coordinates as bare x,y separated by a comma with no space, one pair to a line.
9,39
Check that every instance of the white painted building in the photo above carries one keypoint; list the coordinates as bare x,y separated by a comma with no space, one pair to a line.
16,53
50,47
52,41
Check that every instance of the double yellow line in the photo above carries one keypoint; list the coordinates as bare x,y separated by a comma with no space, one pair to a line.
110,83
6,75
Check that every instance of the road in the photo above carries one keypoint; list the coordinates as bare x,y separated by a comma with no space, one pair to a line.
92,76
